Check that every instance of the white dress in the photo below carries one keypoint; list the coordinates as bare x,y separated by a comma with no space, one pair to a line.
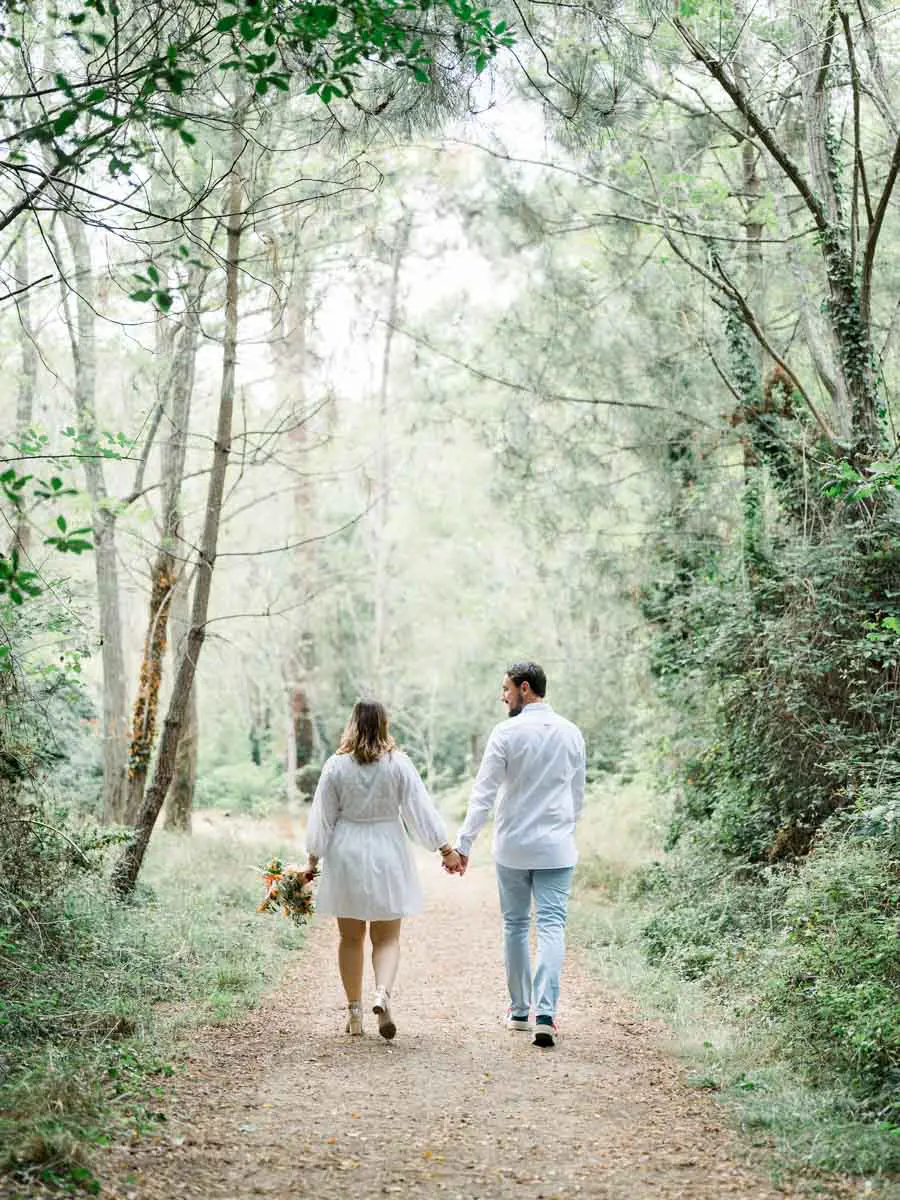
355,827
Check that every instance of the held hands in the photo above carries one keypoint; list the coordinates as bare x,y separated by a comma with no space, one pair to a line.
455,863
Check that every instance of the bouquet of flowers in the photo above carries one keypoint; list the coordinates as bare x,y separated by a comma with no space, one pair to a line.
289,888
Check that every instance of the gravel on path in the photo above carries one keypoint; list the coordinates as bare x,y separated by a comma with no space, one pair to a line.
282,1103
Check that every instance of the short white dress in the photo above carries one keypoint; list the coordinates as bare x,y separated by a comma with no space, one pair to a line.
355,828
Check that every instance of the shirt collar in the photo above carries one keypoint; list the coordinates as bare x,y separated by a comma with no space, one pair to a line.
537,706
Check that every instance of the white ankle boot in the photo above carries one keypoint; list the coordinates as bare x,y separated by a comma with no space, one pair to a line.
382,1009
354,1020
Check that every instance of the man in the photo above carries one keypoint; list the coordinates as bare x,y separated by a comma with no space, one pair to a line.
533,770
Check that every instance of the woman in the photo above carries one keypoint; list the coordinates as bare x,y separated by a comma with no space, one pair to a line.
366,789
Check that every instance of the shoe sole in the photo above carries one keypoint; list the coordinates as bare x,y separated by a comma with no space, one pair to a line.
386,1026
545,1040
519,1026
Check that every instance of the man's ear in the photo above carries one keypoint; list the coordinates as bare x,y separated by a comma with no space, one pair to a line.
524,687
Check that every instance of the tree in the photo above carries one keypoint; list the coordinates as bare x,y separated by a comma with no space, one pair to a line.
177,348
82,341
129,864
124,73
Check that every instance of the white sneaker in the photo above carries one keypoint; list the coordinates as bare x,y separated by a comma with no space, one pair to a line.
354,1024
521,1024
381,1008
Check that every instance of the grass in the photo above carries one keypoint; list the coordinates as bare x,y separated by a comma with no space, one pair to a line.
806,1131
88,1030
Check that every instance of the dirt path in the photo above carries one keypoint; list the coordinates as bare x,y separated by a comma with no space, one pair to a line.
284,1104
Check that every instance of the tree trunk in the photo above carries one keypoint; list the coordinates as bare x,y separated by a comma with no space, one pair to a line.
29,368
165,570
129,865
750,378
115,704
180,796
290,756
260,731
383,480
847,306
290,353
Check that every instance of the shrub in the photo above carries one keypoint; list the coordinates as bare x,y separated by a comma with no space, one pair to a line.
835,991
709,919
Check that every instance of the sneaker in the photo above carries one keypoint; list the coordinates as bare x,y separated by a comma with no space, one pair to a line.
546,1032
382,1011
354,1020
517,1022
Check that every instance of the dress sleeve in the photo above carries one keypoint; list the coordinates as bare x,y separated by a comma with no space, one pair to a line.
323,814
417,808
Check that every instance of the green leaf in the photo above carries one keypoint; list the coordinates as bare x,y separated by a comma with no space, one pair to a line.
61,523
324,15
65,120
227,23
142,296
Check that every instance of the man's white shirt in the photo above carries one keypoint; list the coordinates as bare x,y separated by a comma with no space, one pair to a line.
532,773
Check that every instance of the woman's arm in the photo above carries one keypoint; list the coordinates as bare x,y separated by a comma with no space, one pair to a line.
419,812
323,816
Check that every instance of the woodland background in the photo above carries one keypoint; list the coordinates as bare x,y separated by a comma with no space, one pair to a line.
363,348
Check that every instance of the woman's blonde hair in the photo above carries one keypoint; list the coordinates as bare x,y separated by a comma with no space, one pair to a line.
366,736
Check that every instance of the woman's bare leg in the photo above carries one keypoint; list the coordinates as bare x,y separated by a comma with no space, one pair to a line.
385,937
351,956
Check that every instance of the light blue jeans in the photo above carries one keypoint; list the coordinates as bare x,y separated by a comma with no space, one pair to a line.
550,889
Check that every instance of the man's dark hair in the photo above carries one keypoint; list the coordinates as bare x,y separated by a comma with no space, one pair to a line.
537,680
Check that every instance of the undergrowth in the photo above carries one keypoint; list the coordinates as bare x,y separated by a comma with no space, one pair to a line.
780,986
89,1009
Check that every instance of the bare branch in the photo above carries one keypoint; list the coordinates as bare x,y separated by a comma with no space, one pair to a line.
138,486
749,319
865,290
25,287
858,169
309,541
756,123
542,394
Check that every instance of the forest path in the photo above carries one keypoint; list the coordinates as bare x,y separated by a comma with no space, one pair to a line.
283,1103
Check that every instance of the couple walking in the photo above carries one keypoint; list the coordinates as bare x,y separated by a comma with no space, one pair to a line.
532,775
